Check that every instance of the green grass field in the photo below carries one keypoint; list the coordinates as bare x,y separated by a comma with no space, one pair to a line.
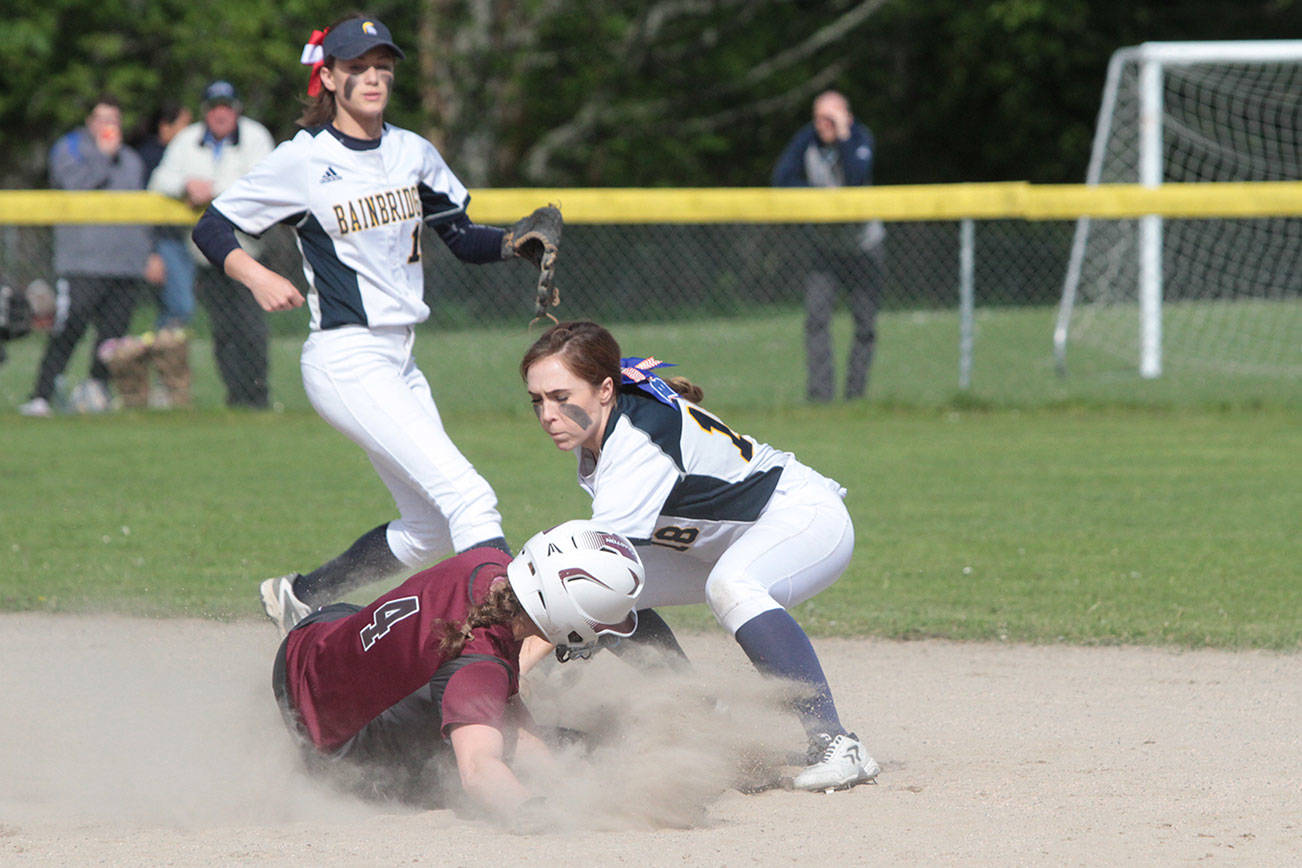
1096,509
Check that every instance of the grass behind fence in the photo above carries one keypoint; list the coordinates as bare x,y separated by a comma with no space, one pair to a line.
1107,510
759,362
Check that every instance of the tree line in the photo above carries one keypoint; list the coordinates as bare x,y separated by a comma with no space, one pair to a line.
624,93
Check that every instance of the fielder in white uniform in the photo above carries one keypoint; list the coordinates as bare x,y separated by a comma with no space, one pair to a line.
717,517
359,193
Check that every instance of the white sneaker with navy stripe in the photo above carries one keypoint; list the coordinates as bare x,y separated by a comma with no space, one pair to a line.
280,603
842,763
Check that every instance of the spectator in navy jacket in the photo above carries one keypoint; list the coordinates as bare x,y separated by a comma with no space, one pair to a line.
835,150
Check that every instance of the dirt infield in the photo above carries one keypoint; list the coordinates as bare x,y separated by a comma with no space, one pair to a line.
131,741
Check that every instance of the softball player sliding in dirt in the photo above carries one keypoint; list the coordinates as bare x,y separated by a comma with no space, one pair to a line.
431,667
717,517
359,193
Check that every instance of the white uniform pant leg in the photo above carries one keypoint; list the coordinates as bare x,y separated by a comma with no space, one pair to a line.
672,579
365,383
799,546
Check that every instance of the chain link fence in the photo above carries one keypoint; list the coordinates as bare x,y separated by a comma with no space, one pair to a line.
651,272
634,272
727,272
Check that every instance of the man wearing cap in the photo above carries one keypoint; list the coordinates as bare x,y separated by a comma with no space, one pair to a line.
200,162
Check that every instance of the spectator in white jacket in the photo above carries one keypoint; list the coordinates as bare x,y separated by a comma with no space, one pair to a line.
200,162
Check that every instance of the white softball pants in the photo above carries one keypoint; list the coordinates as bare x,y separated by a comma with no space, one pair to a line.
365,383
799,546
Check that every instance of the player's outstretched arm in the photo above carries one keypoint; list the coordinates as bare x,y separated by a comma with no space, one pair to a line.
272,291
485,777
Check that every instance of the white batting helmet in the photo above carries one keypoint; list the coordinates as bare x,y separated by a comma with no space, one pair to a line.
578,581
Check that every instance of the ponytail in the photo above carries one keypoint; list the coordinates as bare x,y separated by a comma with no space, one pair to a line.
318,110
686,388
500,607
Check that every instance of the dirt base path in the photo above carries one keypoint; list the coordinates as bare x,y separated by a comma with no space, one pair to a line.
128,741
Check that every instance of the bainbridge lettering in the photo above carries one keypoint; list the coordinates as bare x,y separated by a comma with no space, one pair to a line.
368,212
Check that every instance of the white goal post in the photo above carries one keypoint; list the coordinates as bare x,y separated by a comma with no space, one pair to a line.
1190,111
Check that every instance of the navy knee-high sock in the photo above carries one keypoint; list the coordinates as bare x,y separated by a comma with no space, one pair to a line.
497,542
652,632
367,560
777,646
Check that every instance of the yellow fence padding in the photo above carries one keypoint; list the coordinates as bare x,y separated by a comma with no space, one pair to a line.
1016,200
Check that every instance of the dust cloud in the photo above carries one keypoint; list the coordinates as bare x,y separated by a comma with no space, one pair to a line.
172,723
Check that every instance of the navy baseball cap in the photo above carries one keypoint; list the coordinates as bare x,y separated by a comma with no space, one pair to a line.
220,93
355,37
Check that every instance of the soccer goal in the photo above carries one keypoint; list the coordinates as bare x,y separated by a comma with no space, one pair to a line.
1224,293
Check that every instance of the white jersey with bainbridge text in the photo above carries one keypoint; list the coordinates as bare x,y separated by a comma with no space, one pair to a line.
357,207
674,476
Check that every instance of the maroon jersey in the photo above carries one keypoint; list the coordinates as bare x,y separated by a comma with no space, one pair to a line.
342,674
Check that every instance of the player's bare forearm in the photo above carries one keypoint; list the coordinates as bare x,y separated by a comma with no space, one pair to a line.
272,291
534,756
494,786
484,774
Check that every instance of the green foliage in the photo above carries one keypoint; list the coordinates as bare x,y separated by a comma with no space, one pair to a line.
601,93
59,55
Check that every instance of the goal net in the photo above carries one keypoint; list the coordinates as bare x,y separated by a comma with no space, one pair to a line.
1219,293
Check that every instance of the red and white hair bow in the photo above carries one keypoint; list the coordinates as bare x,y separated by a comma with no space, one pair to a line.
313,56
634,369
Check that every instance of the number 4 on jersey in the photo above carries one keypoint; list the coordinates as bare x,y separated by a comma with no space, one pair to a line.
385,617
